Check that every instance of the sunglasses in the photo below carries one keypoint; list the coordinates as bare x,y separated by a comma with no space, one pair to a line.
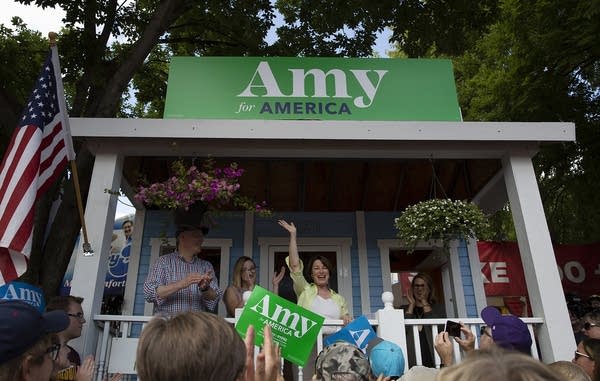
78,315
53,351
587,326
483,331
579,354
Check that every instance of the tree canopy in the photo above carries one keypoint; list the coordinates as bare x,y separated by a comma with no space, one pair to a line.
514,61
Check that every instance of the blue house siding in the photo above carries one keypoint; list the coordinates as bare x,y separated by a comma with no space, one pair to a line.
467,280
379,225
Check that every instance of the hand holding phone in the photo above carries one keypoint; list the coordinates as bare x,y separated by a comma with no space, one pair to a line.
453,328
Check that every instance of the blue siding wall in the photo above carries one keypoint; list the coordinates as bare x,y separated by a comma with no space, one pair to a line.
379,225
467,280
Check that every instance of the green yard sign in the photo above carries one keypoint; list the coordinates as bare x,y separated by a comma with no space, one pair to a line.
293,327
311,88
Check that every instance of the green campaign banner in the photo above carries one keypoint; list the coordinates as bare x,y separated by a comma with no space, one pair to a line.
293,327
311,88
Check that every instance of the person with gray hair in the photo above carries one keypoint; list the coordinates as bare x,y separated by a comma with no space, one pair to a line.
498,364
569,371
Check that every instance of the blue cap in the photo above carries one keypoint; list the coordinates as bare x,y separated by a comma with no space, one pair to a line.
385,357
23,326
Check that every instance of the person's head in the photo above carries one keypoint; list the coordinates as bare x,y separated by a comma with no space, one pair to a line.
587,356
190,345
28,346
385,358
190,238
590,324
342,361
72,306
320,269
422,286
569,371
244,272
594,301
127,227
496,364
506,331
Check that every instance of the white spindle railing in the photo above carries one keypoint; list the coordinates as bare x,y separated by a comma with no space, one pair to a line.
116,344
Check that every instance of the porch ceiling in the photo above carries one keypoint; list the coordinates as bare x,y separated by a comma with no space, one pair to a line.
341,185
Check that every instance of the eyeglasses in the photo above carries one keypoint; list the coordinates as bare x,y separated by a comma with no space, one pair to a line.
579,354
78,315
53,351
587,326
418,285
483,331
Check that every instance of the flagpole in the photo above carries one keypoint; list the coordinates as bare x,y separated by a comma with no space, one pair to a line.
87,248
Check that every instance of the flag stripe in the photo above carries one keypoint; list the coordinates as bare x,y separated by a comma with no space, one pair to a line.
36,157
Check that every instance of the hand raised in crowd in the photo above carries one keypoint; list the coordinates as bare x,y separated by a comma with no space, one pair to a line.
291,228
85,372
346,319
277,277
444,347
468,343
410,297
268,361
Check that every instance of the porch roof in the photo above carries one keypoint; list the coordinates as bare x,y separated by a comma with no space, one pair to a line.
330,165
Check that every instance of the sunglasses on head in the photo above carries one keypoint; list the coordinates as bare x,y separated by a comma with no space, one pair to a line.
579,354
587,326
53,351
482,331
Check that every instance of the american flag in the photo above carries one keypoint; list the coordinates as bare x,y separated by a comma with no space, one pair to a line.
37,155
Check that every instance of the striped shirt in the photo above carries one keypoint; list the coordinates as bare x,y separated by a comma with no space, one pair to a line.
171,268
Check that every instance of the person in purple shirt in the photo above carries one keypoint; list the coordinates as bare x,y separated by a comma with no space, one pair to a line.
181,281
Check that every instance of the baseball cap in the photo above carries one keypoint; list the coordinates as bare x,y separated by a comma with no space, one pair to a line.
508,331
342,358
385,358
23,326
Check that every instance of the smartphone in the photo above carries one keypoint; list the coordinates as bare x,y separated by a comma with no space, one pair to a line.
453,328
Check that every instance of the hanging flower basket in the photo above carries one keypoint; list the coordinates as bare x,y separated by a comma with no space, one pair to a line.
207,189
442,219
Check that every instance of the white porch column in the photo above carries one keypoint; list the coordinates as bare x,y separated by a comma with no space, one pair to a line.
539,263
90,272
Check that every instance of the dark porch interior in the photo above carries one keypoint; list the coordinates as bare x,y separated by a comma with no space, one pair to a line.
338,185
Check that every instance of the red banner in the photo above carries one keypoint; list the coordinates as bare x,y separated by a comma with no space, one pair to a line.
502,270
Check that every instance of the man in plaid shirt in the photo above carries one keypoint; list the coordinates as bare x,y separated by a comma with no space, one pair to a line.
181,281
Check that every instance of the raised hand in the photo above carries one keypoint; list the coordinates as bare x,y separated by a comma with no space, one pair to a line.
85,372
291,228
468,343
443,346
277,277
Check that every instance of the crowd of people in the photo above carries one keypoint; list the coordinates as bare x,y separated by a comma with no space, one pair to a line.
187,341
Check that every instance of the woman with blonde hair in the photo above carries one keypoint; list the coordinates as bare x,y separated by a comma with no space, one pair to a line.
422,305
243,279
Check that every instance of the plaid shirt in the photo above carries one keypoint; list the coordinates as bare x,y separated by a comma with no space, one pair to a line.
171,268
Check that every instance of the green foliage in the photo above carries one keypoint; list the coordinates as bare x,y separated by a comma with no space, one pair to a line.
541,62
443,219
22,52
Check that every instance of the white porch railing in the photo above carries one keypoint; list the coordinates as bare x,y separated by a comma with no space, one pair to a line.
116,349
